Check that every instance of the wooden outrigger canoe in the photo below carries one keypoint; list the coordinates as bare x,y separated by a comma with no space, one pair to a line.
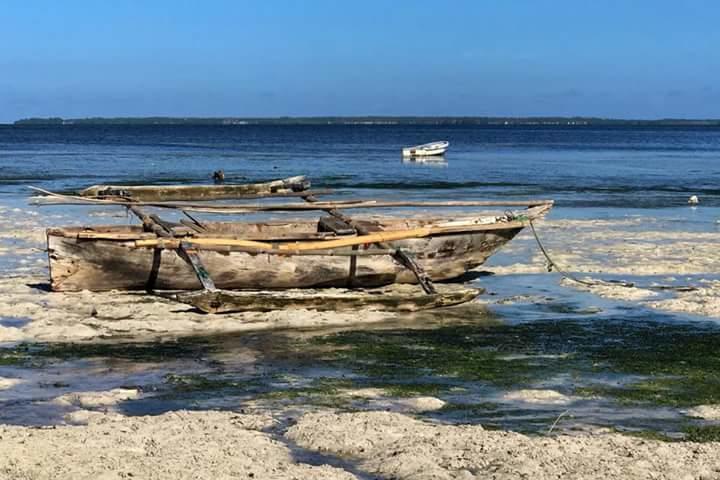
278,255
393,298
235,263
153,193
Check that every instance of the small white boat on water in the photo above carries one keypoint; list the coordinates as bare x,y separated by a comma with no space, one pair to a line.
427,149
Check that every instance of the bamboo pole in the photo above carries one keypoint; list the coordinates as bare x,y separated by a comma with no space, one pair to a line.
376,237
368,204
328,205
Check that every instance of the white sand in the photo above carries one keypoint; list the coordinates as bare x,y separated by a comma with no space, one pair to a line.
706,412
397,446
185,445
704,301
178,445
89,400
548,397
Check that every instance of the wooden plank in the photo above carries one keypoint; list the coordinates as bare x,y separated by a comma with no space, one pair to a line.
119,236
388,299
336,225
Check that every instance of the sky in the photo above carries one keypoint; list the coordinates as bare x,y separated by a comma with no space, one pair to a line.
620,59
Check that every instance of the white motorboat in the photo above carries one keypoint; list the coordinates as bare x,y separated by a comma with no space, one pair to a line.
427,149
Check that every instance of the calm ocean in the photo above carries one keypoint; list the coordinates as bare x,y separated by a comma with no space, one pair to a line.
578,167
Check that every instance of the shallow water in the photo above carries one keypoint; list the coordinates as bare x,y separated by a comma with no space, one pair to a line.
609,363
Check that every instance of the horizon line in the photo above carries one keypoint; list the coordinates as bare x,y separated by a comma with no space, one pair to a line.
498,121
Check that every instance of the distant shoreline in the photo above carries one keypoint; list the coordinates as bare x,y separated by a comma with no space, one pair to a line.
370,120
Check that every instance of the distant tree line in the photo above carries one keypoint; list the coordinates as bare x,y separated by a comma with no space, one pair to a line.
366,120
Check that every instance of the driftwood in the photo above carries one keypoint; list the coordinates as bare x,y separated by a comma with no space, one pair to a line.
196,192
394,299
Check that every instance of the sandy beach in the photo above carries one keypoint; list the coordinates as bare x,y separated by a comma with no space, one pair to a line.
326,445
390,437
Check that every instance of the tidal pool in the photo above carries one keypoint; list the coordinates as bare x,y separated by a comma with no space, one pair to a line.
541,357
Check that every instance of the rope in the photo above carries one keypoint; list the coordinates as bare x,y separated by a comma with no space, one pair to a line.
596,283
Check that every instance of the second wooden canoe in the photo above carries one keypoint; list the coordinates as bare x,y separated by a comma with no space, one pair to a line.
169,193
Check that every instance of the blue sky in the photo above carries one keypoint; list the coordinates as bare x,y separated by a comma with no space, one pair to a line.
639,59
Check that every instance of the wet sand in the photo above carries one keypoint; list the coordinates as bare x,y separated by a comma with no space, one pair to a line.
297,442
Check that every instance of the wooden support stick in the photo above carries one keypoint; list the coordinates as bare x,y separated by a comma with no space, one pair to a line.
189,255
194,220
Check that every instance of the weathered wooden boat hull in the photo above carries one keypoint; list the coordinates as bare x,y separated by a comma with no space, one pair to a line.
390,299
98,264
156,193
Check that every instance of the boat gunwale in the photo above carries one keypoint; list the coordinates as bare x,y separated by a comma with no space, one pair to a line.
463,225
